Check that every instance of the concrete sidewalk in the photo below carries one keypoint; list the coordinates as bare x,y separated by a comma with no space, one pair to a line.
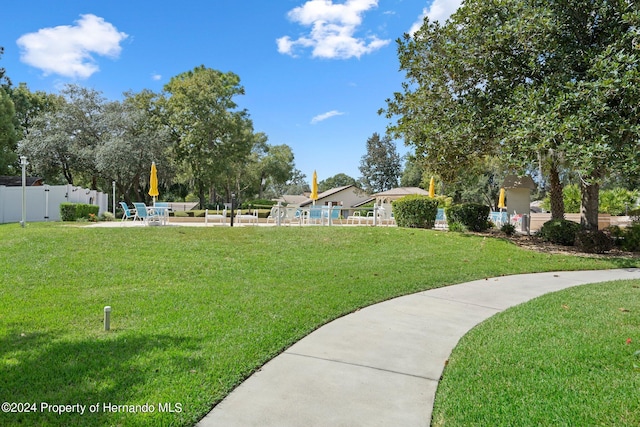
380,366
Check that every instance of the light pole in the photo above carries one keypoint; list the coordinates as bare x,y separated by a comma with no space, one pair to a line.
113,183
24,163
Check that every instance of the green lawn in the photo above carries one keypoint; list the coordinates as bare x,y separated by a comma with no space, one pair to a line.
197,310
560,360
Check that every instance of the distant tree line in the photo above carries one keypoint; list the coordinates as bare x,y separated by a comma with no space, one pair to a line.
201,141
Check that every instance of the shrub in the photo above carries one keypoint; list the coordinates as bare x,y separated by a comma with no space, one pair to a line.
76,211
630,240
474,216
457,227
560,231
107,216
415,211
508,229
443,201
593,241
68,211
258,203
617,201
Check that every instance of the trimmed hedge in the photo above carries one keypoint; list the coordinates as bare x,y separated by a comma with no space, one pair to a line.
76,211
415,211
474,216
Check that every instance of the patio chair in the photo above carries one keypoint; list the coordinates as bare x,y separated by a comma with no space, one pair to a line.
441,219
221,217
161,209
296,215
354,217
128,213
273,215
315,215
145,214
498,218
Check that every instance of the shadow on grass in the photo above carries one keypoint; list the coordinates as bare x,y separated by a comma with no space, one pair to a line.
38,369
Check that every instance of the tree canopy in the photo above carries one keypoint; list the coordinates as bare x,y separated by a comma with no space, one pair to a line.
380,166
194,131
555,82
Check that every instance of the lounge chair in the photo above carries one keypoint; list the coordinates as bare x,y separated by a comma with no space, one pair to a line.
251,218
221,217
354,217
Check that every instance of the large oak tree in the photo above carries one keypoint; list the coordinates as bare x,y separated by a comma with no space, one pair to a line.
554,81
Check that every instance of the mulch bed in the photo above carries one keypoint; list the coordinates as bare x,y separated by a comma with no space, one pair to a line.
534,243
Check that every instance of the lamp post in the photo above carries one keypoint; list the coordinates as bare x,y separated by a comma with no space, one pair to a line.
24,163
113,183
233,202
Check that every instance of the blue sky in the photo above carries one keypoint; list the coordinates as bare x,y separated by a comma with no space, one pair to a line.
315,72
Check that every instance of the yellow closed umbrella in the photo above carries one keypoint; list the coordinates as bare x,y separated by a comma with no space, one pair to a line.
314,187
501,204
153,182
432,188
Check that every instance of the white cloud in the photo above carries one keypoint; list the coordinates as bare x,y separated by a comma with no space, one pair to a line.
69,50
325,116
156,77
439,10
332,29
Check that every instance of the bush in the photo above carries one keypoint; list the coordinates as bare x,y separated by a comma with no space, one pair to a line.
634,215
630,240
508,229
107,216
560,231
457,227
593,241
472,215
415,211
68,211
258,203
77,211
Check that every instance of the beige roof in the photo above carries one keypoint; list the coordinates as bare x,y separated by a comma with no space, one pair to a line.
327,193
513,181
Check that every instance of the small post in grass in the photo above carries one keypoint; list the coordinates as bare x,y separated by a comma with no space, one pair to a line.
24,163
107,318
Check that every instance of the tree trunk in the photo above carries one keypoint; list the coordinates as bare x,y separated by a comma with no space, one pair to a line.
201,195
589,205
555,193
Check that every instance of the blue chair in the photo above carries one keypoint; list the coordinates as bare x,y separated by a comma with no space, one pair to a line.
144,214
498,218
128,213
315,215
441,219
161,210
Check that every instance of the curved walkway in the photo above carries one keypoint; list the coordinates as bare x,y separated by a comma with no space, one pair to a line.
380,366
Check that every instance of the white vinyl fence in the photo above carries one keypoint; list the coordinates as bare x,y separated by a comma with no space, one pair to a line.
43,202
